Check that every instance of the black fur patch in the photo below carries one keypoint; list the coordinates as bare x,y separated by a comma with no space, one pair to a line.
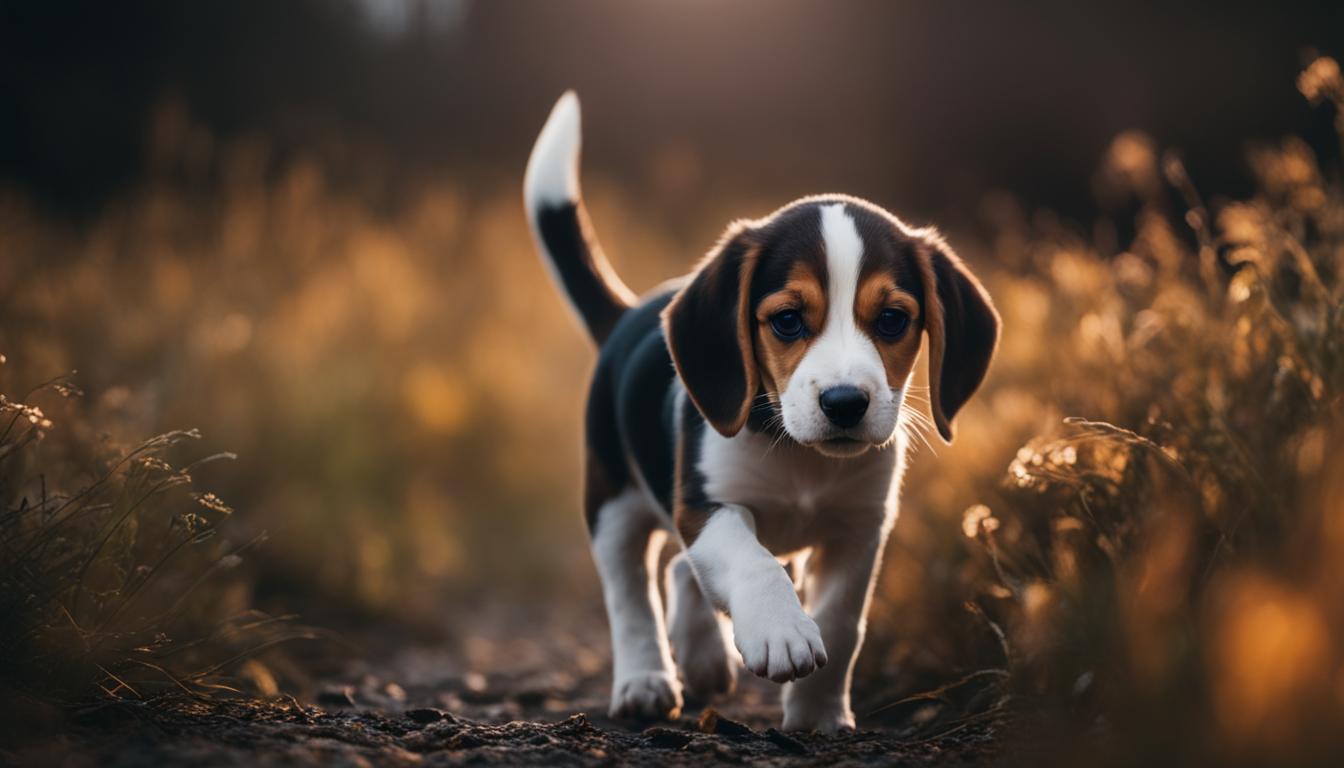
706,335
641,401
627,425
792,237
971,332
569,244
887,249
691,480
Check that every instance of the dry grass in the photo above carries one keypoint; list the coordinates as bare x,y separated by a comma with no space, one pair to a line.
115,584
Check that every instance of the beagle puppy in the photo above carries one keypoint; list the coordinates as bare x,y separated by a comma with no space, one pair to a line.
757,411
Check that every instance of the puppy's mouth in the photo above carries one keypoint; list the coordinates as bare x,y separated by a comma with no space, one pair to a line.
841,446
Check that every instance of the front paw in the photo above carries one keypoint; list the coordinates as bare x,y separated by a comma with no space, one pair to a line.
782,646
646,696
824,720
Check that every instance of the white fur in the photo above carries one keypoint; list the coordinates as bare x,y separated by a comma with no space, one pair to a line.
796,495
842,355
787,501
626,546
775,637
552,176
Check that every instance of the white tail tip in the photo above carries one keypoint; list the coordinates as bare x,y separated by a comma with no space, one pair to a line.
552,177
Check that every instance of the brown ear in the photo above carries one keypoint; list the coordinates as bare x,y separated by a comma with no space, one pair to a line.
963,329
708,330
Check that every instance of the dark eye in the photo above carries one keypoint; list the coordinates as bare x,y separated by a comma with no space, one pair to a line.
787,325
892,323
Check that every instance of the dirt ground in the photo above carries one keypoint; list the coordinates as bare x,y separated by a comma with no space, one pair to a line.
510,696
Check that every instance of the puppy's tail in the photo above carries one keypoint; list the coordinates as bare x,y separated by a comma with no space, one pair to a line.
560,223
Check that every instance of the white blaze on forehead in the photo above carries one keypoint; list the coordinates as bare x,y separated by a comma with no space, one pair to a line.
844,247
844,254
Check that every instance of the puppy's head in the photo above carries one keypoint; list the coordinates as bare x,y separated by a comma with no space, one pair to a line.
813,317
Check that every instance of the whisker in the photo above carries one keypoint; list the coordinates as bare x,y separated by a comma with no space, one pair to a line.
923,424
779,438
922,428
917,425
922,437
914,413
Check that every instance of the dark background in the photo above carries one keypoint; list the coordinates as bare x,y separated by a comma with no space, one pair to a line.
918,105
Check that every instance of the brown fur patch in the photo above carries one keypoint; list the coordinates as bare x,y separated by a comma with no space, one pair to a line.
877,292
934,327
777,358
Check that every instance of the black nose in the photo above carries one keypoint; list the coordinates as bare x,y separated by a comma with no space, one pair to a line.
844,406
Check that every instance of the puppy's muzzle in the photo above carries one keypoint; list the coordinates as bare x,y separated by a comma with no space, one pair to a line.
844,405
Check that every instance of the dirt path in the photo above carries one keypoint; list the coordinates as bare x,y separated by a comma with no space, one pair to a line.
512,697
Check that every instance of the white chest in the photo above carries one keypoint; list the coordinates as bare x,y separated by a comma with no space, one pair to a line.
798,496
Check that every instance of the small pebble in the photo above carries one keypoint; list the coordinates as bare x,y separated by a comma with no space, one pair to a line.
712,722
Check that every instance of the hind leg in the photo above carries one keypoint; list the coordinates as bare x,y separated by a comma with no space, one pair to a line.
627,538
698,642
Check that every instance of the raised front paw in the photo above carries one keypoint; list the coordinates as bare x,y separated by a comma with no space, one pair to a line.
646,696
782,646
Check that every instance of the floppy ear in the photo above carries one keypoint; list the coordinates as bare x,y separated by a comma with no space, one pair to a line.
708,330
963,329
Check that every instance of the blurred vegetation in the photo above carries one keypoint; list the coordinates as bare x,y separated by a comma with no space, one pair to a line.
1161,564
115,584
1138,529
393,398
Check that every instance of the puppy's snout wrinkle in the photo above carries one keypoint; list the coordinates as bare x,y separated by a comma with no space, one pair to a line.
844,405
